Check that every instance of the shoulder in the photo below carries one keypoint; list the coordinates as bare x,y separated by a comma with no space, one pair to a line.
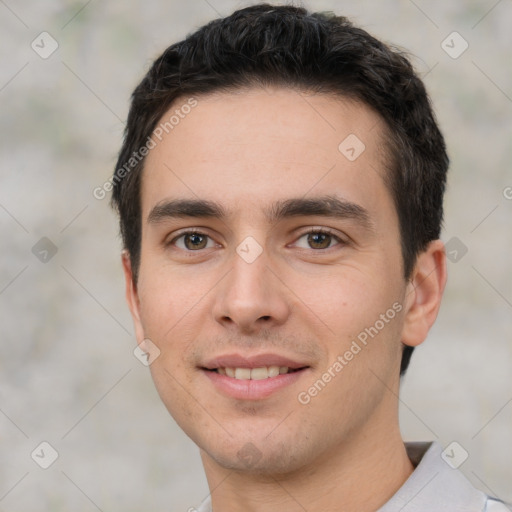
437,484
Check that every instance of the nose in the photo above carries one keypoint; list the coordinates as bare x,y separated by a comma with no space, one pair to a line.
251,297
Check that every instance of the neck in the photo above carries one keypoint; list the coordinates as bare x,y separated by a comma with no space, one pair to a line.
361,474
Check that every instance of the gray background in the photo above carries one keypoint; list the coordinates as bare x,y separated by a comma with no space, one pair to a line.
67,372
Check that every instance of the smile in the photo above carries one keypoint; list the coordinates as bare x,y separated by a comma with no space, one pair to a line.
264,372
244,385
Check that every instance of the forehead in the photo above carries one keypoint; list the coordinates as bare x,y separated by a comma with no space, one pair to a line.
252,145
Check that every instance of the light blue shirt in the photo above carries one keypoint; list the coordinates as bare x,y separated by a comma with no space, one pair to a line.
434,486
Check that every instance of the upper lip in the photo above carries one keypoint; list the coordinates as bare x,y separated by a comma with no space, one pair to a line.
251,361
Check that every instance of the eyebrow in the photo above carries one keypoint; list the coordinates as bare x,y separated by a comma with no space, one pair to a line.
323,206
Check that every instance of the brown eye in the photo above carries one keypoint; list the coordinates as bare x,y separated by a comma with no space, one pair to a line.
318,239
193,241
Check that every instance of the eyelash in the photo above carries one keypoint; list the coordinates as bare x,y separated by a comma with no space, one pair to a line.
311,231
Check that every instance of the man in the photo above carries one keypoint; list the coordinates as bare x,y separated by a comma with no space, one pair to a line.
280,193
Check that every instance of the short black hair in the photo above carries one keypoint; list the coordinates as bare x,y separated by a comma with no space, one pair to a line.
266,45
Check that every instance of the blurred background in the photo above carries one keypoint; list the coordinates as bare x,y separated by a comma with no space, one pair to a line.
68,376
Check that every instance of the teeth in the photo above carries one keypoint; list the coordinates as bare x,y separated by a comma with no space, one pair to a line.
273,371
253,373
242,373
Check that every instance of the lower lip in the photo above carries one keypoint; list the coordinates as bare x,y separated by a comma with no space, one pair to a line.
252,389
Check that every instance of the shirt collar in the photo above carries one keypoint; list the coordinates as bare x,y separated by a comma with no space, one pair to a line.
433,485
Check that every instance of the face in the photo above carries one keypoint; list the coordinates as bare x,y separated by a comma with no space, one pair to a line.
270,284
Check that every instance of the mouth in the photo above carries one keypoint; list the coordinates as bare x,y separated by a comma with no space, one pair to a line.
252,378
260,373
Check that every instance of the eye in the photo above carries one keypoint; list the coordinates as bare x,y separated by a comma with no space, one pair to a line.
318,239
193,241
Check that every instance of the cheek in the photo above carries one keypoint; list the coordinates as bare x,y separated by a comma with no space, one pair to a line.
168,301
359,315
170,382
348,298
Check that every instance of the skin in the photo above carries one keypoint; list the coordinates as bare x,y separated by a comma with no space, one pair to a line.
245,150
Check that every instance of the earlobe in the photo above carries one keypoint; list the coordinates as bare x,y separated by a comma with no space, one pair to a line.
424,293
132,297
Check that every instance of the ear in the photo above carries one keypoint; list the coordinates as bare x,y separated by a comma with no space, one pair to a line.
132,297
424,293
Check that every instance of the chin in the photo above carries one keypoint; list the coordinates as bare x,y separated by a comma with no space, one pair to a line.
272,459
